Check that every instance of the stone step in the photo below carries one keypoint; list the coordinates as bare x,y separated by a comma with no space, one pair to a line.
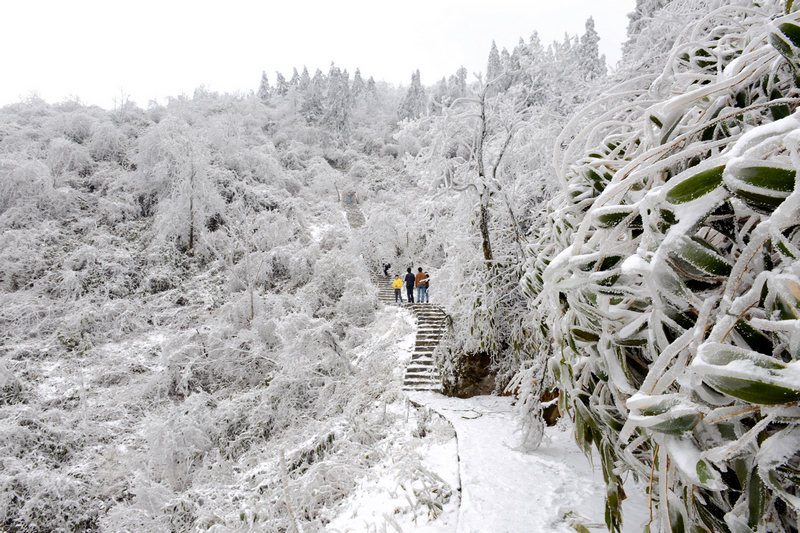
423,387
429,382
428,374
423,377
422,373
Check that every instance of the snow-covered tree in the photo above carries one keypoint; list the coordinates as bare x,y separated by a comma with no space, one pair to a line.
281,87
358,87
338,102
414,103
439,97
173,164
305,80
642,13
313,106
457,84
264,90
591,62
494,65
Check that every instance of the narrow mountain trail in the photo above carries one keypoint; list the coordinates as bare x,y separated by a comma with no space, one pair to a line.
421,373
503,489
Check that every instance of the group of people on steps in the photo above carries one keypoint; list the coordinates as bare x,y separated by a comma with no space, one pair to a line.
420,281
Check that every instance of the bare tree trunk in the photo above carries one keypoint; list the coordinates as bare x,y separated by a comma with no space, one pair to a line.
484,193
250,287
191,223
191,206
484,226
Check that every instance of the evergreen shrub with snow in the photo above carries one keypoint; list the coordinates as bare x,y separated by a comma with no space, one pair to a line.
668,278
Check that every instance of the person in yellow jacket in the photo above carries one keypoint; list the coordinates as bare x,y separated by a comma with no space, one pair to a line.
397,284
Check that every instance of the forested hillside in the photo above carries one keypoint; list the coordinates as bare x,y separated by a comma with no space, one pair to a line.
187,319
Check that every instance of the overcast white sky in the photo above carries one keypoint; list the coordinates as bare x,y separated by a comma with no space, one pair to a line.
97,50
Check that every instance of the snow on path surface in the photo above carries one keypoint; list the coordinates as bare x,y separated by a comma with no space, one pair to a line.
506,491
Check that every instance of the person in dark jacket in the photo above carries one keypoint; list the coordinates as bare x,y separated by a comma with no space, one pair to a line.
409,279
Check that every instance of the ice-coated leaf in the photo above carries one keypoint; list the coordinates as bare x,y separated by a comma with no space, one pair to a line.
584,335
677,513
611,217
599,181
762,186
786,40
609,420
667,414
754,338
703,257
722,354
778,111
708,476
696,185
753,391
678,425
756,499
747,375
773,177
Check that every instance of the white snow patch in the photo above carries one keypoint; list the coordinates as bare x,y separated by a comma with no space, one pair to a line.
634,264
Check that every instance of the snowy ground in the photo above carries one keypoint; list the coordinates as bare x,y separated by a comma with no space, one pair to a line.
466,464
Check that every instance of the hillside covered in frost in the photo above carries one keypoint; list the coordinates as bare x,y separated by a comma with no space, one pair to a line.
190,340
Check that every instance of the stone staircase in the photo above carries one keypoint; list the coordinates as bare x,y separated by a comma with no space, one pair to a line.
354,215
421,373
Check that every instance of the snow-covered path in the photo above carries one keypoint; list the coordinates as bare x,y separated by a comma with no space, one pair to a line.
506,491
502,490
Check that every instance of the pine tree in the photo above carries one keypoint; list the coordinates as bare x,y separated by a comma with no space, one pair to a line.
281,87
305,79
644,10
359,88
413,104
337,114
440,98
264,89
508,68
313,106
591,62
295,81
494,67
457,84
